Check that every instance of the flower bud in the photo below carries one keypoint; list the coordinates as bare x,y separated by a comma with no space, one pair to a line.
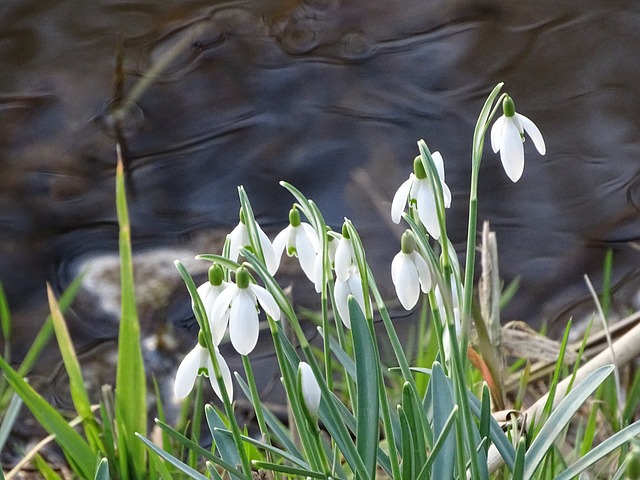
309,387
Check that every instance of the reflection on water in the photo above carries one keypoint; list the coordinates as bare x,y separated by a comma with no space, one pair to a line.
330,96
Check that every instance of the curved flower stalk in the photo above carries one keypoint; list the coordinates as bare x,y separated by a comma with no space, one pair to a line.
239,238
300,240
410,272
310,388
416,191
507,137
198,362
352,285
237,306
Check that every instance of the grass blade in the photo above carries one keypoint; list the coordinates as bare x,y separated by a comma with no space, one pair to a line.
442,402
560,417
183,467
225,445
102,473
131,391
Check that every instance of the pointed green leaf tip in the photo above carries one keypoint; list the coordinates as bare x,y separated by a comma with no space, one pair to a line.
407,242
294,217
418,169
508,107
242,278
216,275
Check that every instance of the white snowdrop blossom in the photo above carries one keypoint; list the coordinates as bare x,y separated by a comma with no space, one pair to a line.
417,192
239,238
410,272
310,388
209,292
507,137
198,362
237,305
343,288
300,240
345,258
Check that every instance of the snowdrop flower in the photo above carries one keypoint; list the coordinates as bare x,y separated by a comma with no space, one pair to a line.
209,292
345,258
237,306
409,272
300,240
198,362
417,192
310,388
341,291
507,136
239,238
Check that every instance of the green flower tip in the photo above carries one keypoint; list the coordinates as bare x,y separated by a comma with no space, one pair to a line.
201,339
508,107
407,242
216,275
241,215
242,277
345,231
418,168
294,217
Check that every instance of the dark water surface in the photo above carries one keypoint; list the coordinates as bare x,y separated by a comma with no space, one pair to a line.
330,96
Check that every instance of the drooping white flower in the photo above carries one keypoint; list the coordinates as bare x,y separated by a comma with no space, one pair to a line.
341,291
209,292
310,387
300,240
410,272
507,137
417,191
345,258
238,305
198,362
239,238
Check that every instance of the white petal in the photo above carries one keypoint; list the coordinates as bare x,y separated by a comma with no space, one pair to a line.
280,243
405,279
439,163
204,292
446,195
238,238
427,209
219,317
266,300
187,372
317,272
311,233
226,376
511,151
424,272
243,323
267,250
400,200
341,292
344,259
534,133
496,133
306,251
355,286
310,388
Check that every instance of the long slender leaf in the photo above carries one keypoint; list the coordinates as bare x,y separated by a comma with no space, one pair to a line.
102,473
280,468
9,420
75,447
425,473
442,401
560,417
131,391
227,449
408,457
367,364
183,467
602,450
